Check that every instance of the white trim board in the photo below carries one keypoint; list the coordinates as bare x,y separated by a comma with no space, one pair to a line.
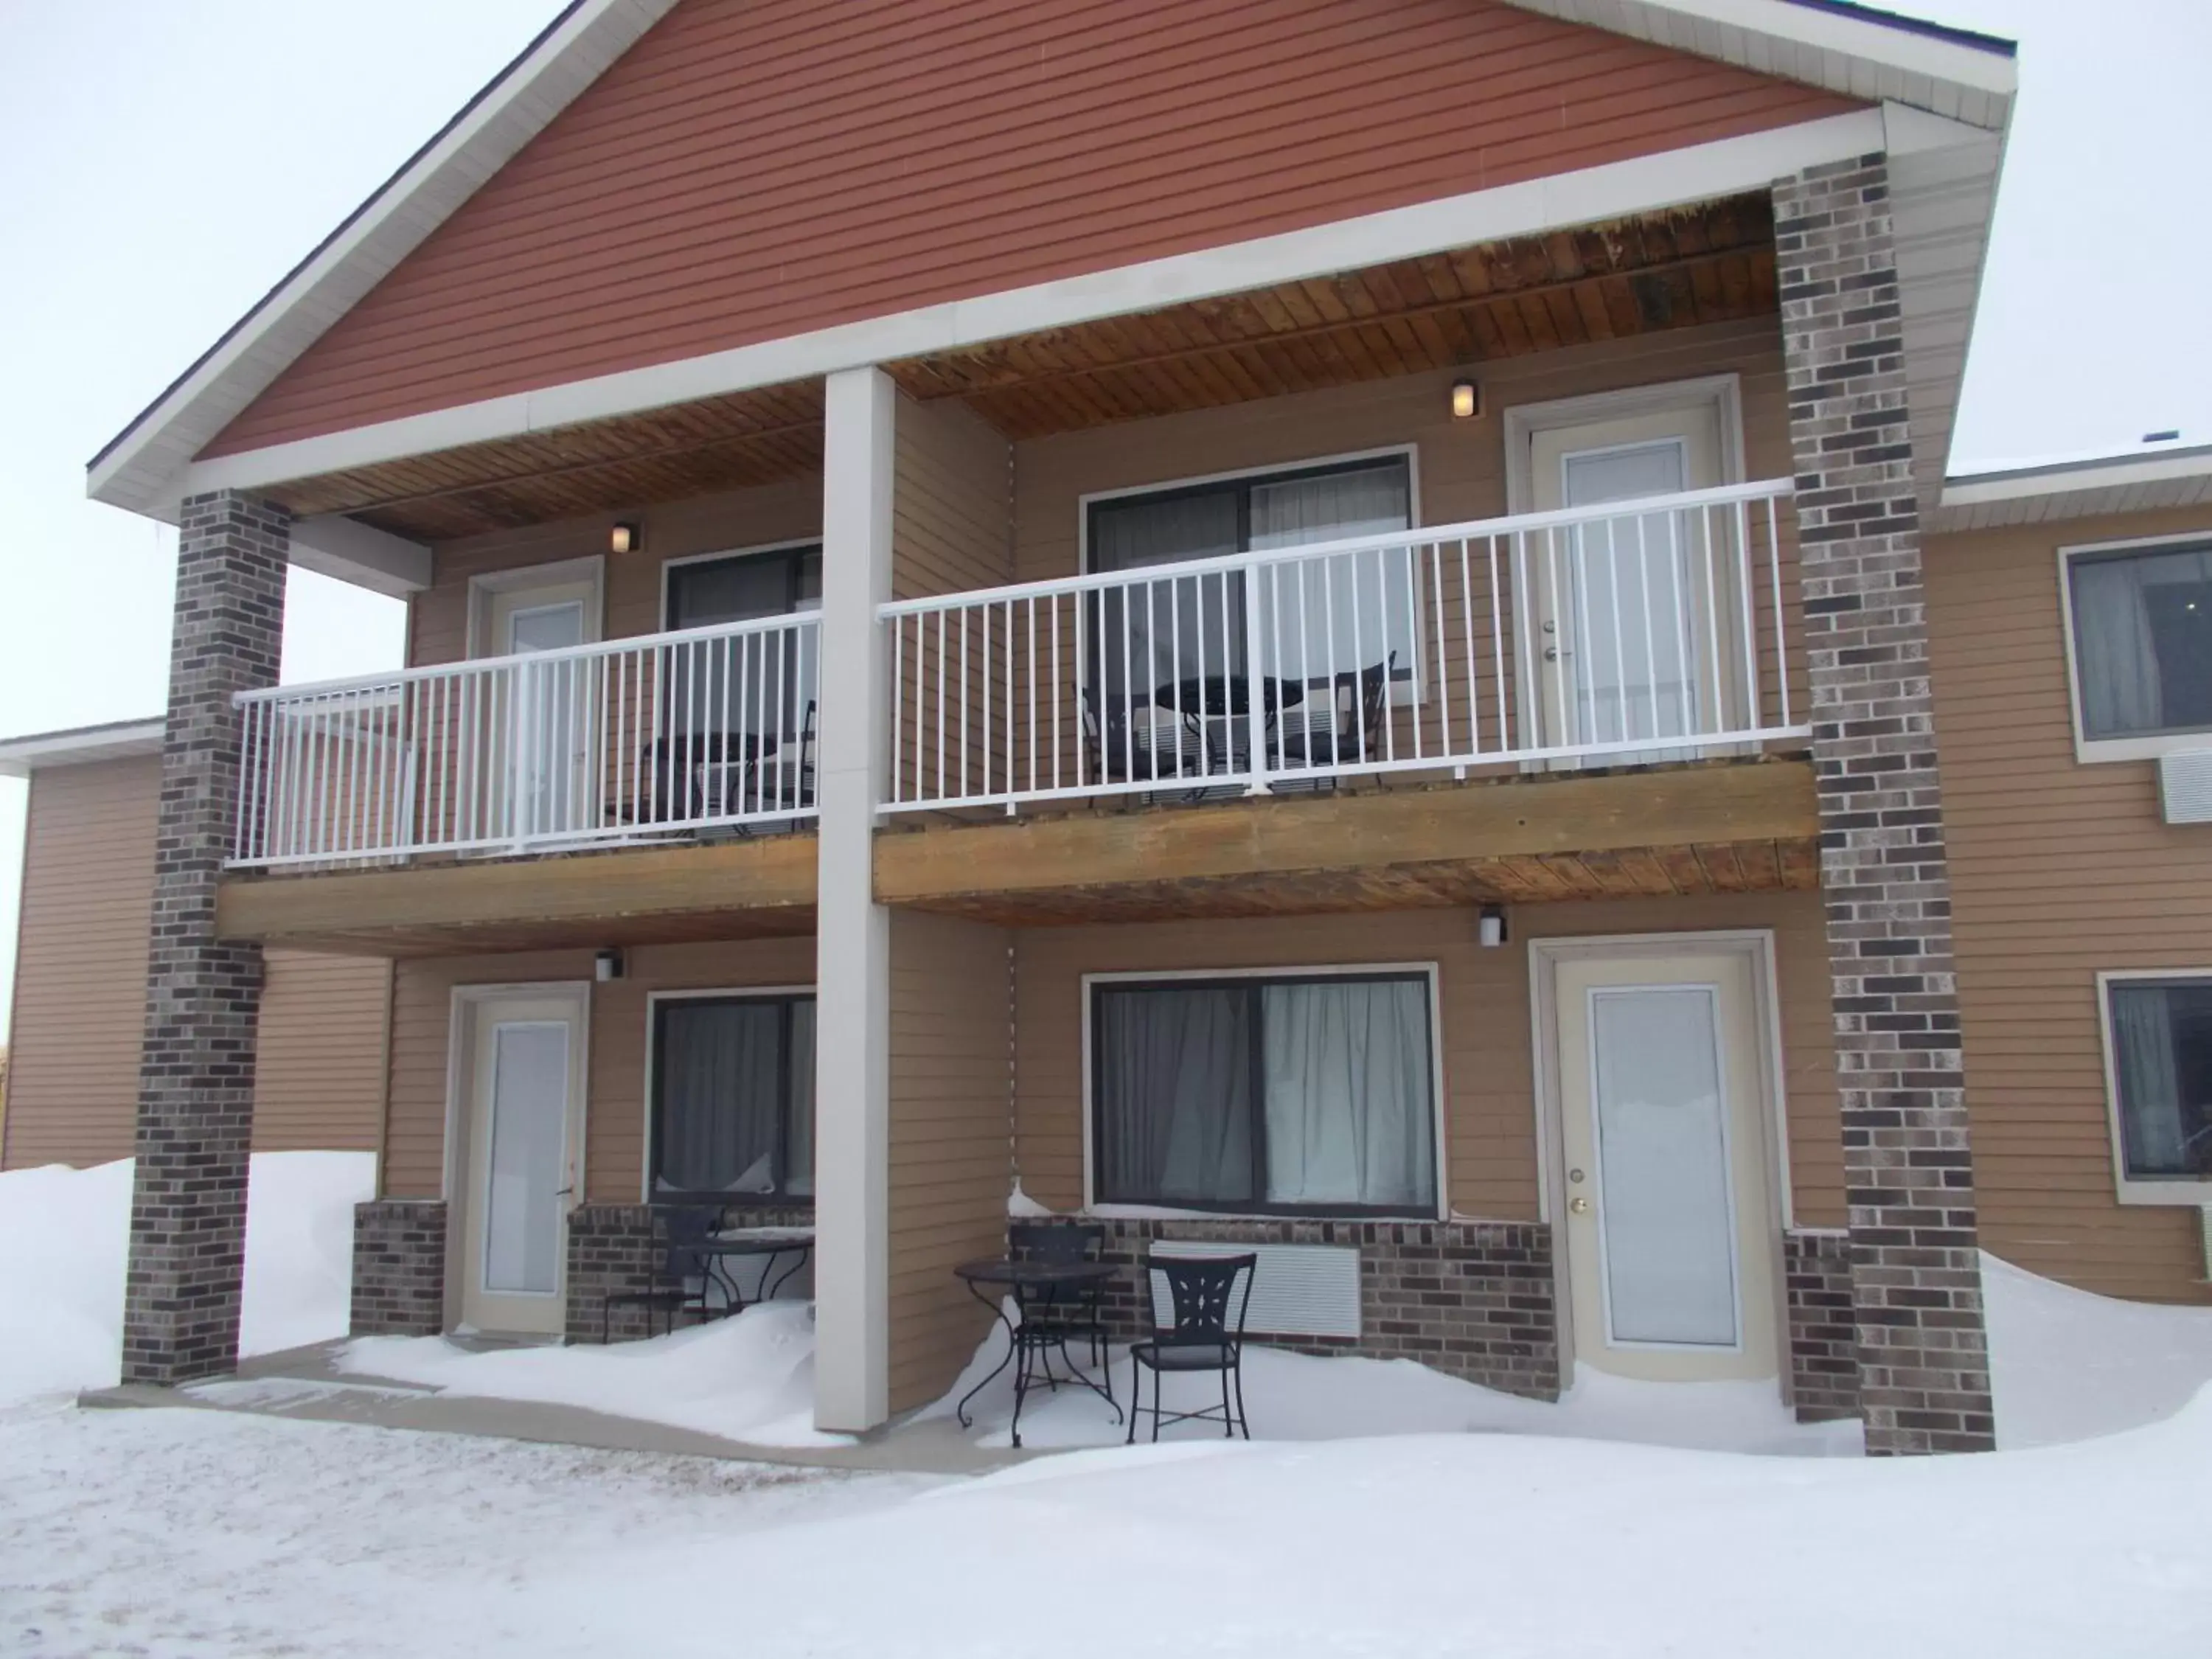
1695,173
80,745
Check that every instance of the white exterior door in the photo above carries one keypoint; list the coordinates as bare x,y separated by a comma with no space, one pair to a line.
1671,1251
549,707
1629,610
524,1131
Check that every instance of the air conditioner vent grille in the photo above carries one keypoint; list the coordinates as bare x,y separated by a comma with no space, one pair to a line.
2185,786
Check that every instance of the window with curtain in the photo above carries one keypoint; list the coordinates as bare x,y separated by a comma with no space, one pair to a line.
1298,1093
1334,615
733,1097
2162,1063
768,682
2143,640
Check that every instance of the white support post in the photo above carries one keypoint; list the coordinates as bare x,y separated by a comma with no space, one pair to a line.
851,1070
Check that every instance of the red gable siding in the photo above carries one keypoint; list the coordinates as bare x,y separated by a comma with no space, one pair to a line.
755,169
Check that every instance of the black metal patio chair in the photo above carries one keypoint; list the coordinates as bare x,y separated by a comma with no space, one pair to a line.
1070,1313
1207,1334
1346,728
681,1280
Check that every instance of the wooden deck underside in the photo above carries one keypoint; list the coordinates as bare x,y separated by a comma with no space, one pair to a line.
1688,830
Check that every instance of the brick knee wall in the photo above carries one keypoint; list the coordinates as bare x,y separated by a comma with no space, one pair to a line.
615,1248
399,1267
194,1122
1909,1176
1824,1364
1474,1298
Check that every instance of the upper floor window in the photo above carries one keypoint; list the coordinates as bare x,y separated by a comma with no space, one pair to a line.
2143,640
1278,1094
739,587
2161,1036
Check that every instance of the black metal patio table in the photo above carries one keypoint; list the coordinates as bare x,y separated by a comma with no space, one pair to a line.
717,1250
1227,697
1035,1287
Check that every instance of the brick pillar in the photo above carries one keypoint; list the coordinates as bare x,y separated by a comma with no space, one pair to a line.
203,995
1915,1266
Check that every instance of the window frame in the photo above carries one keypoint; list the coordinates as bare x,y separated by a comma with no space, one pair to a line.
1200,979
2194,1191
2092,751
654,1001
1406,683
790,551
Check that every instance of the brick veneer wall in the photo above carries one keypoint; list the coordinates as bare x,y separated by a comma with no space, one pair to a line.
399,1267
1475,1298
1824,1361
1916,1279
195,1131
613,1248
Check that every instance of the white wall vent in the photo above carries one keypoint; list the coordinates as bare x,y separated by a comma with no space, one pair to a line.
2185,786
1298,1290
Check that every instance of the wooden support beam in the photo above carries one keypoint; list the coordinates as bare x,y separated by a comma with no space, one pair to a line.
1699,806
731,889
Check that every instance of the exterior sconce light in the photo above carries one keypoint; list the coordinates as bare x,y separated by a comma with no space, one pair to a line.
1466,399
1490,930
607,965
626,538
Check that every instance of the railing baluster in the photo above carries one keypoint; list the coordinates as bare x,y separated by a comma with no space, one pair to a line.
1781,633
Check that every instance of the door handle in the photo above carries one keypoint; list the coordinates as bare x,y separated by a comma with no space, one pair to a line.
1578,1205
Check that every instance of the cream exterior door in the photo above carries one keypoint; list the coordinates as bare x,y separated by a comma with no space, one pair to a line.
550,706
1628,610
1671,1244
524,1074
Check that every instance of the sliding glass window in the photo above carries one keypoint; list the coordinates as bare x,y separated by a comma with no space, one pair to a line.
1289,1094
734,1096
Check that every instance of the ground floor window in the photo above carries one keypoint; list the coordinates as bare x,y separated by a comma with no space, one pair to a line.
2161,1036
734,1096
1304,1092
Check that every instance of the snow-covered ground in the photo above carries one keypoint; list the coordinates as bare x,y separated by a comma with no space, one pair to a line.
63,1237
1366,1519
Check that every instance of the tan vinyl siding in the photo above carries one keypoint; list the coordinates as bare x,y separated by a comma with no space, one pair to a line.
438,617
80,992
2059,871
80,966
750,171
1490,1154
951,1163
952,529
614,1115
319,1060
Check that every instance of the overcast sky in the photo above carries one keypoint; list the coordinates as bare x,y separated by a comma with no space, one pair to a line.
163,165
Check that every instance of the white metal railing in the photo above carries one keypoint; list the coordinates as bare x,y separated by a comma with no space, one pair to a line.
1636,630
707,728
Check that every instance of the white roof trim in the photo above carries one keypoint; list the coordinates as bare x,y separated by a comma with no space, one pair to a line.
142,470
1882,60
133,471
21,757
2092,487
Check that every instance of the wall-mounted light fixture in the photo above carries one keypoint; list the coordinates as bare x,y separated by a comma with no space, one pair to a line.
1490,928
1466,399
607,965
625,538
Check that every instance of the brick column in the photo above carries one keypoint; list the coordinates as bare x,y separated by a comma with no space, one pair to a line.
1915,1267
203,995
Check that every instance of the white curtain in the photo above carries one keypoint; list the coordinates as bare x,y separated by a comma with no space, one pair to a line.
1349,1110
1337,616
2152,1132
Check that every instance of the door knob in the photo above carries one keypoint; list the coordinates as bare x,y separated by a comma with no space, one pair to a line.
1578,1205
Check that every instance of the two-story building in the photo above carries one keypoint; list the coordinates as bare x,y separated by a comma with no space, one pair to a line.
1309,624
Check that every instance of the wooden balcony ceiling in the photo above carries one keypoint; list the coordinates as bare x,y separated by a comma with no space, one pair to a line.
666,454
1657,834
1709,262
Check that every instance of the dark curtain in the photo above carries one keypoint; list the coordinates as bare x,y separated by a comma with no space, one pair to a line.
1174,1096
719,1077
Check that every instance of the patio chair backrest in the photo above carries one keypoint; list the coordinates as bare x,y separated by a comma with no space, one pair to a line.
1206,1304
1056,1243
684,1228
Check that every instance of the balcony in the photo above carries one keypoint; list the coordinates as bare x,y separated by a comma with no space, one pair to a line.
1650,630
677,736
